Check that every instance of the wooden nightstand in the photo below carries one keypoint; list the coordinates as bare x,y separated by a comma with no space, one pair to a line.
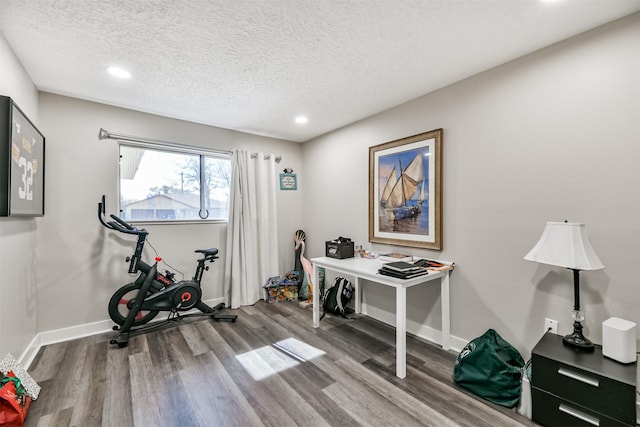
571,388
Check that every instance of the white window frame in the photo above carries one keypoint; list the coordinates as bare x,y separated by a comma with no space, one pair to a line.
178,149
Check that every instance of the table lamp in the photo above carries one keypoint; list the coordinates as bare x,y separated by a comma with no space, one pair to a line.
566,244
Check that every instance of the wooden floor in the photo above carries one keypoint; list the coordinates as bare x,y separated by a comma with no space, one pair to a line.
204,373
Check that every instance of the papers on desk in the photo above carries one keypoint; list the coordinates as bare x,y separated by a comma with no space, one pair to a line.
395,256
433,265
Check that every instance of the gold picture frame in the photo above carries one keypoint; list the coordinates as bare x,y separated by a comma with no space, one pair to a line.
405,191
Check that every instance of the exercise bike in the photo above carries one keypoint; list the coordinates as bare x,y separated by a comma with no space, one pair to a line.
135,304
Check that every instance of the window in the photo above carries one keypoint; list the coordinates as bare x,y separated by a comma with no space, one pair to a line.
160,183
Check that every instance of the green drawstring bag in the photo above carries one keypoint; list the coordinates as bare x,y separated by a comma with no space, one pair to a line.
491,368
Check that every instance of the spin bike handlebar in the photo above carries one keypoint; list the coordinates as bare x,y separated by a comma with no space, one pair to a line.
120,225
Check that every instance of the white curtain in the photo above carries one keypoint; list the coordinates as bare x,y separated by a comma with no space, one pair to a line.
252,234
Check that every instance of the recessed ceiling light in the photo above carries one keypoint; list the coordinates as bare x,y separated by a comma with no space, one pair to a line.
301,120
119,72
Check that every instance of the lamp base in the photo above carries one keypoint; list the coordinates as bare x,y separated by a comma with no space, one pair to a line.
577,340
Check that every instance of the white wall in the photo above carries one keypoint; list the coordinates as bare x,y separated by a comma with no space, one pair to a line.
80,262
552,136
18,236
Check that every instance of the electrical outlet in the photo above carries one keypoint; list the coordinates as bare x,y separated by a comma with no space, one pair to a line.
551,325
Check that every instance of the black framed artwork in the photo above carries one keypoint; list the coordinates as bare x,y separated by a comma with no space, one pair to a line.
22,161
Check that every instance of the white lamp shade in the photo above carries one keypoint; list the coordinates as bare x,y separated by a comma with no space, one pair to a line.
565,244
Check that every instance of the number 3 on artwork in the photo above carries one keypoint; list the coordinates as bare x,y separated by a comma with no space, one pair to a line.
25,191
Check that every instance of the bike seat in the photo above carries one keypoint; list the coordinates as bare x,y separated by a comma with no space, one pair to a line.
207,252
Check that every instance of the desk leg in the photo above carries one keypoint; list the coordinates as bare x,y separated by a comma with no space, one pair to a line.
316,297
358,303
401,332
446,319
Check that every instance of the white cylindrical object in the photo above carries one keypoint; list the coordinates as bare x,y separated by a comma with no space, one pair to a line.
619,340
524,407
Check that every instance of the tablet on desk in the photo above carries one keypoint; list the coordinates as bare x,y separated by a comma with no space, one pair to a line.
401,266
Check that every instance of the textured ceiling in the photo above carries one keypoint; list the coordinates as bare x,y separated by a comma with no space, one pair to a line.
253,65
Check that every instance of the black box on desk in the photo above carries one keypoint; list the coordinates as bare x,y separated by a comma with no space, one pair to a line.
339,249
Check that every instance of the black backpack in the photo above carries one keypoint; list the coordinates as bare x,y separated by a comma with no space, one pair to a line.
336,298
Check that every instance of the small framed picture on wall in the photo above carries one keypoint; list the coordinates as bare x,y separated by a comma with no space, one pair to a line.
288,181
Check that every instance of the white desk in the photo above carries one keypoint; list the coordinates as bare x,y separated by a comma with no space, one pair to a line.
367,269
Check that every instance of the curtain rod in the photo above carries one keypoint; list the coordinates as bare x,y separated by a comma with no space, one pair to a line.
104,134
266,157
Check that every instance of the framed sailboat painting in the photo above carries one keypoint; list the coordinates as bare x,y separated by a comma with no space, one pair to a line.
405,191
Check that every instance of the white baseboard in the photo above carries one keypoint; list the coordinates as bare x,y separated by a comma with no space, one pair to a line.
80,331
425,332
60,335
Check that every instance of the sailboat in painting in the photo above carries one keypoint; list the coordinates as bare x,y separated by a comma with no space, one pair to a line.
399,190
421,196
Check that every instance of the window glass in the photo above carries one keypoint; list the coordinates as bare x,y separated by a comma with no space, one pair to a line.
158,184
